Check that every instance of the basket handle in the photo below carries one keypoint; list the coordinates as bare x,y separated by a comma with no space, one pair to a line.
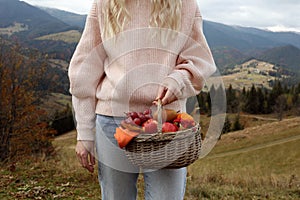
159,116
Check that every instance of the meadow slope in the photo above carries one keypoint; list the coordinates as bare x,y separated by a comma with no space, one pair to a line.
259,162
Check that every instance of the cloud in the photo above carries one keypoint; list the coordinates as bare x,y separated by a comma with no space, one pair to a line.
250,13
253,13
76,6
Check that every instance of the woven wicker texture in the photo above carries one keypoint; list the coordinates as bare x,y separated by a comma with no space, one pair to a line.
168,150
165,150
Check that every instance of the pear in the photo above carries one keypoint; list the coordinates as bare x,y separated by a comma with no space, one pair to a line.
168,115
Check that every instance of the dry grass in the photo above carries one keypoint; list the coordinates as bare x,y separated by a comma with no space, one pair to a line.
249,73
17,27
270,172
71,36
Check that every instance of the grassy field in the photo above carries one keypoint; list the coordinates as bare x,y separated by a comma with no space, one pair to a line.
71,36
260,162
249,73
17,27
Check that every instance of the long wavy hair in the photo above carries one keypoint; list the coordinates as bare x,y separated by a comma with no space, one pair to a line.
164,14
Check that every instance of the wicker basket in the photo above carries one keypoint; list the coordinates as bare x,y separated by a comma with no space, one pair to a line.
165,150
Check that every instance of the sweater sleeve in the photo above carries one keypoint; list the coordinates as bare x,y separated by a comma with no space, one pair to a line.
85,72
194,65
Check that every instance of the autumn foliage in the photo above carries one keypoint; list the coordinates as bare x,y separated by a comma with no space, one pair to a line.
23,130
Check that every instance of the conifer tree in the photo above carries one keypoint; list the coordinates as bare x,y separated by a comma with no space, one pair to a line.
237,124
251,105
231,99
260,101
227,126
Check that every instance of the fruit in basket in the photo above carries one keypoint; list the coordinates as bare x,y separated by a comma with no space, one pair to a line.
169,127
184,120
137,121
148,111
142,117
168,115
150,126
132,115
124,136
130,125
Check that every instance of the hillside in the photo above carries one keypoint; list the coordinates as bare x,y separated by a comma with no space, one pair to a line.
247,39
227,57
71,36
233,45
25,23
56,33
252,72
218,35
286,56
38,22
69,18
290,38
260,162
230,45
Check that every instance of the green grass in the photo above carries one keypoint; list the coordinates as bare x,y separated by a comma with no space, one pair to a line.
244,75
272,172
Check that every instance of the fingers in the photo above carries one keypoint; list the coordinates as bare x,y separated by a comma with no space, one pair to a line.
92,160
161,92
85,157
165,95
87,161
90,163
168,98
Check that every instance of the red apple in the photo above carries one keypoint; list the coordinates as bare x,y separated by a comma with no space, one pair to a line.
169,127
150,126
137,121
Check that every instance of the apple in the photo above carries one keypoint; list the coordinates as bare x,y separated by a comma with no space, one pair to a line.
137,121
150,126
169,127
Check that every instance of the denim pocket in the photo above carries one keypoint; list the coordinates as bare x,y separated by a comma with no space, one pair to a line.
106,125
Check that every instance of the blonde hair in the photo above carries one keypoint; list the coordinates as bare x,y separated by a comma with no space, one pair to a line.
165,14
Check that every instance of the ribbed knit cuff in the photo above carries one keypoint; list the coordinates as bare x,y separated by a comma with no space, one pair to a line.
85,134
174,83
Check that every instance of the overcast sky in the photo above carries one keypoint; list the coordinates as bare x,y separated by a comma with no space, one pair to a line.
276,15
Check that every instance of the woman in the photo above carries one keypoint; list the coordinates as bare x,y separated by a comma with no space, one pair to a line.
132,53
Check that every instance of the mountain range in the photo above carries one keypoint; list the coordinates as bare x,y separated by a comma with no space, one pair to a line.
230,45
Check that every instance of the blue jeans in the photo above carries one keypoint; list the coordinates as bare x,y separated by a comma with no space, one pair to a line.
118,177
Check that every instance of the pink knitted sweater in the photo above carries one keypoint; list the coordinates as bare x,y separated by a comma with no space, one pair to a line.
116,75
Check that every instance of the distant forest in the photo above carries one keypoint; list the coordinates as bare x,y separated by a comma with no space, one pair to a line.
279,100
256,100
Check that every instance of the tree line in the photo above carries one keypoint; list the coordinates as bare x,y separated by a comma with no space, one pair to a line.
255,100
278,99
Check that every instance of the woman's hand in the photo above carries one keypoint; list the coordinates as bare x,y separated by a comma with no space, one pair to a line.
166,96
85,154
